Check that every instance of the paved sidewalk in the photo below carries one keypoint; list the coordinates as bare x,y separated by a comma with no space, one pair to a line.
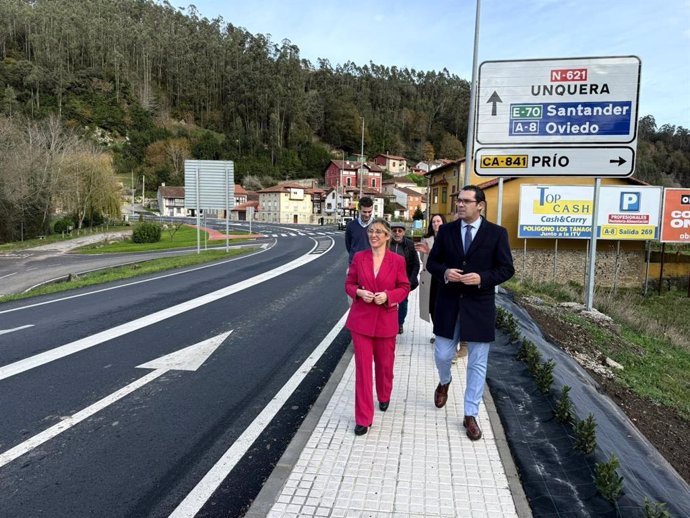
416,460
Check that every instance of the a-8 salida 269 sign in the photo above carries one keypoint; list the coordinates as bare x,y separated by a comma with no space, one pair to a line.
557,117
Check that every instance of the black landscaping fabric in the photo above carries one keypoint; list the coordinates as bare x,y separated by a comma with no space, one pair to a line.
559,480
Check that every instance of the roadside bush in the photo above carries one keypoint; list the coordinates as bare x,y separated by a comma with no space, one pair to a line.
564,412
544,375
63,225
586,435
146,233
608,481
655,509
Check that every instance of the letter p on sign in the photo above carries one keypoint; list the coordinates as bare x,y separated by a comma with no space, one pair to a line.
630,202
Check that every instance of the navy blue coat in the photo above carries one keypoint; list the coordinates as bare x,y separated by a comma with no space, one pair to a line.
489,256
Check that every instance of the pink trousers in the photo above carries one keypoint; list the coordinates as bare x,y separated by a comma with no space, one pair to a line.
380,351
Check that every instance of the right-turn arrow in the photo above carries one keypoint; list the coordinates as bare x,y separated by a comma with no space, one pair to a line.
620,161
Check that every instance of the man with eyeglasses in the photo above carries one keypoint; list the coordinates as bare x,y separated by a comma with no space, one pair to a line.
404,246
470,257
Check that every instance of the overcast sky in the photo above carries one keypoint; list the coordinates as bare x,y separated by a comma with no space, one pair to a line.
437,34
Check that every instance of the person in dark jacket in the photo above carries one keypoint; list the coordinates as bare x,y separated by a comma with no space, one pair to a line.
404,246
470,257
356,238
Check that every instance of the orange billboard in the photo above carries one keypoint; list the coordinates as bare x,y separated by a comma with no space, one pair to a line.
675,216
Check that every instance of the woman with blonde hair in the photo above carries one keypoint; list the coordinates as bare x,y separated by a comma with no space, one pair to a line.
377,282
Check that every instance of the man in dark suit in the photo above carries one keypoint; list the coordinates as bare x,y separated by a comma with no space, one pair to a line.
470,257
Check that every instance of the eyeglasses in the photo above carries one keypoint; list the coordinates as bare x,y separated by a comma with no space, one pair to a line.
398,230
461,201
377,232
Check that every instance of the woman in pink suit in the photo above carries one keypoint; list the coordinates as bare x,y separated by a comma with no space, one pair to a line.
377,282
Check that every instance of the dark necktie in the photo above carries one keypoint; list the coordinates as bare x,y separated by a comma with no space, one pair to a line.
468,237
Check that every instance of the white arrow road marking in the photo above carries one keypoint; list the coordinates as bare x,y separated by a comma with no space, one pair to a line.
187,359
37,360
196,499
5,331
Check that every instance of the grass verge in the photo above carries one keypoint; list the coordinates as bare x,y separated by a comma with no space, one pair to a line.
185,237
129,271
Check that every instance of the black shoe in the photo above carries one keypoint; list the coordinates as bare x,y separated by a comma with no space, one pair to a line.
383,405
400,329
361,429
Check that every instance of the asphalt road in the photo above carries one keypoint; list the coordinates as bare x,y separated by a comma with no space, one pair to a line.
25,269
94,425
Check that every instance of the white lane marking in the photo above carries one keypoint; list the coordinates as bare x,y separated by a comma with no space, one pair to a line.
196,499
8,275
5,331
32,362
188,359
133,283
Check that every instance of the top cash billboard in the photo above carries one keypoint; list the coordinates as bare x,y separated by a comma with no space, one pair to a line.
566,212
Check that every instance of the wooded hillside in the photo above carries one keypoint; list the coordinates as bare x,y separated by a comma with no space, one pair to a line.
153,84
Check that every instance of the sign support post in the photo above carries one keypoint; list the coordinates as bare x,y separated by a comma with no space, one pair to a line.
593,247
198,215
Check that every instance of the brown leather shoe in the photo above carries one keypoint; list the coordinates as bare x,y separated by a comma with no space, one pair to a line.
441,395
472,428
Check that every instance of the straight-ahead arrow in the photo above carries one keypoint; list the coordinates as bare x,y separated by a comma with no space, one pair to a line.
494,99
187,359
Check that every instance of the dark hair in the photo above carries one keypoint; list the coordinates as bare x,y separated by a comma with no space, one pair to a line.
366,201
478,193
430,230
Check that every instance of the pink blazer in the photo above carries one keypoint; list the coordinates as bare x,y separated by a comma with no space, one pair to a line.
370,319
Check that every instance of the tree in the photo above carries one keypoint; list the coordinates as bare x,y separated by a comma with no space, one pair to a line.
9,101
251,182
89,186
164,161
450,147
418,214
428,151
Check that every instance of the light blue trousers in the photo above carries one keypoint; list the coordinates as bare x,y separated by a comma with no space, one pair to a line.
477,359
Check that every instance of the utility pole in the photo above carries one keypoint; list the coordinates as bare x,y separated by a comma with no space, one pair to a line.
338,185
143,191
361,162
473,93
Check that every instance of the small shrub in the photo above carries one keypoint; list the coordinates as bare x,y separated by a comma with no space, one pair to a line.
501,318
564,407
586,435
63,225
655,509
512,328
523,350
544,375
609,483
533,360
146,233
